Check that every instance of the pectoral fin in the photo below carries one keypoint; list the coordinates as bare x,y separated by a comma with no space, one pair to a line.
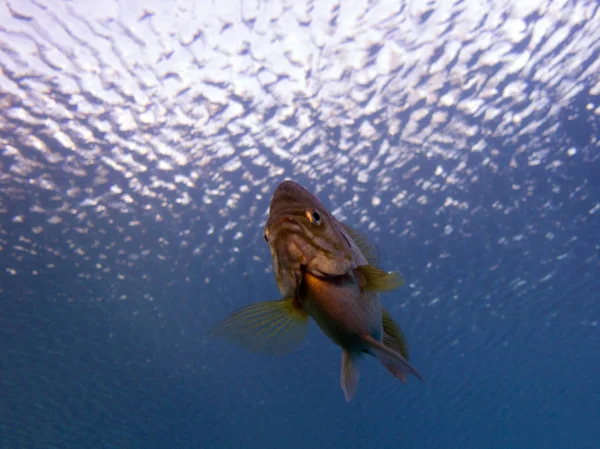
350,374
379,280
392,335
391,359
273,327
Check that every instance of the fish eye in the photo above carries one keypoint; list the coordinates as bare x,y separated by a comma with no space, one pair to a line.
313,216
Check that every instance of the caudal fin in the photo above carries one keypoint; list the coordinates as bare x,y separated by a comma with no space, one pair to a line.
392,360
350,374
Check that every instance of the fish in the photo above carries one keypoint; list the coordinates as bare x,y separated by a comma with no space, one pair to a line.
327,271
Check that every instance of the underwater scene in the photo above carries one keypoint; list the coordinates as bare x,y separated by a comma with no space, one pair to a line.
299,224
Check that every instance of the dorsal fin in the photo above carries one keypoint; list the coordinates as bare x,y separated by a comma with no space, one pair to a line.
369,249
393,336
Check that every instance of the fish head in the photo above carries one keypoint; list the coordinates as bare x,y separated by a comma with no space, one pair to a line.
304,237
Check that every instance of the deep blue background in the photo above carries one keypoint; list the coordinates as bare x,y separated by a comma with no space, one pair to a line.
506,366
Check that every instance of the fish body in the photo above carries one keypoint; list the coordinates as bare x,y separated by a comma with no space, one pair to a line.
342,310
325,270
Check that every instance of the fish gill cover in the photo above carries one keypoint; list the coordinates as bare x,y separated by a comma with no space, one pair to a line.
140,143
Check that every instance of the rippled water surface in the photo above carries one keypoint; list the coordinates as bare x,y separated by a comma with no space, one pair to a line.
140,143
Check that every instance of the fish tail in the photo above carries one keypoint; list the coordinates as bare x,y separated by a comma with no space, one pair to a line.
391,359
350,374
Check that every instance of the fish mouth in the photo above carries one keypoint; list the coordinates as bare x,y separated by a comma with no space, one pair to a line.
281,225
283,221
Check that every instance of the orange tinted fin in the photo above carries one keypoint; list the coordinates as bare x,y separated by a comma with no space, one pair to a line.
379,280
272,327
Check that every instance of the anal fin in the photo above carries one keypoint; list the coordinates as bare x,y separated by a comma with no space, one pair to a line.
391,359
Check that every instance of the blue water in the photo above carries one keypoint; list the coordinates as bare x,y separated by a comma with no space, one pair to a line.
117,255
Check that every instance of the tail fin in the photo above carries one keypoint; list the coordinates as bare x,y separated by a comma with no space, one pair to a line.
393,360
349,375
